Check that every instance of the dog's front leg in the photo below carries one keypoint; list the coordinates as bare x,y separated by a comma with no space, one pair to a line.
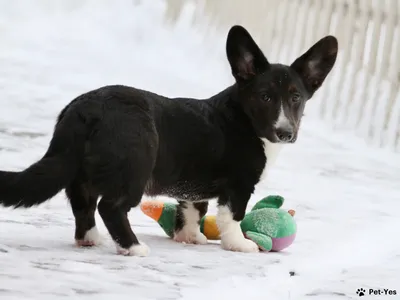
231,210
187,222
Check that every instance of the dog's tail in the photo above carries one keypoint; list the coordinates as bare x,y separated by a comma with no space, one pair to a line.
48,176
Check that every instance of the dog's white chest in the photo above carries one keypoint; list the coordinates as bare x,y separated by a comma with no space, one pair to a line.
271,152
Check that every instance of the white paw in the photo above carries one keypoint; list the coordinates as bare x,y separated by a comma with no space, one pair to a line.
239,245
91,238
190,235
136,250
232,237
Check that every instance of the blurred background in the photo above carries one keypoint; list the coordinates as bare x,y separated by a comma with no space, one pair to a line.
341,176
360,97
363,93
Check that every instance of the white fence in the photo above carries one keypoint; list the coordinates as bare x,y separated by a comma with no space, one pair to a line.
362,94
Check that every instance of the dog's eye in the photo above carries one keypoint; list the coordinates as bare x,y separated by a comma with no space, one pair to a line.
266,98
296,98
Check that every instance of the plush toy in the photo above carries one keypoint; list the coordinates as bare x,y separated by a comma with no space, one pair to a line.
269,226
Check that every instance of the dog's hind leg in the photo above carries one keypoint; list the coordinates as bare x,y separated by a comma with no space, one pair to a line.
123,191
123,156
187,223
83,202
114,213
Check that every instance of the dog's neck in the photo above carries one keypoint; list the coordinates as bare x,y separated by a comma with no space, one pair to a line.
271,151
227,103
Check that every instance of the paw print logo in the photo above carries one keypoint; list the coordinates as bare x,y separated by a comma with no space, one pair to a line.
361,292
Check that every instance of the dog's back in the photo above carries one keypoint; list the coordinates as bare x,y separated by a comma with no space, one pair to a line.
193,144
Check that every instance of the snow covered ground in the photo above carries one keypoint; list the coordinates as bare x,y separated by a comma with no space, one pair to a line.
346,196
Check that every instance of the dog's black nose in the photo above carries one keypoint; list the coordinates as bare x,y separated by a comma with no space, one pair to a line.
284,135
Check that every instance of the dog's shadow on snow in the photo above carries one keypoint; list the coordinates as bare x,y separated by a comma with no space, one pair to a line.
163,243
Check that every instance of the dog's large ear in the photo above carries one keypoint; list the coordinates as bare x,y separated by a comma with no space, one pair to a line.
314,65
244,56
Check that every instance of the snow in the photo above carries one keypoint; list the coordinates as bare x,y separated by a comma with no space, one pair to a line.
346,195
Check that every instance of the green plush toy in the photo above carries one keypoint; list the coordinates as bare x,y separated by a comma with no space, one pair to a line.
269,226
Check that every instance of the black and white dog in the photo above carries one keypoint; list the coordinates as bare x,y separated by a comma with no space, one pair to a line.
118,143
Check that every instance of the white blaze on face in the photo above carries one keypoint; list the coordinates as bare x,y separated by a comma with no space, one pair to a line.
272,150
283,121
